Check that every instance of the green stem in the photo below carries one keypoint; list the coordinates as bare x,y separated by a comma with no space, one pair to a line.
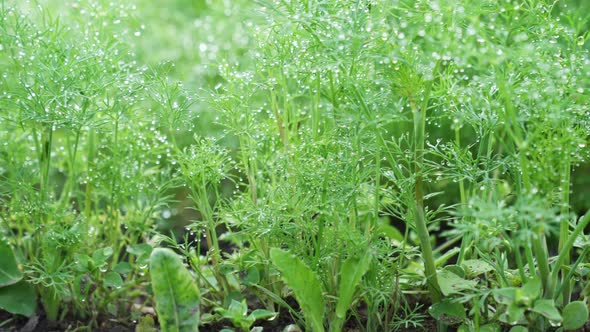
540,249
249,166
566,280
420,219
278,119
46,163
564,254
466,240
50,302
72,178
519,262
89,170
376,201
45,166
564,229
211,233
315,108
115,223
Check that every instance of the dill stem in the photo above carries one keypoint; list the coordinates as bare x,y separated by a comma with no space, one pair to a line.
564,230
420,219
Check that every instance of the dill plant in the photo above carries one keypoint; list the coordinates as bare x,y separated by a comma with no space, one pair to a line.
323,121
79,159
310,118
407,100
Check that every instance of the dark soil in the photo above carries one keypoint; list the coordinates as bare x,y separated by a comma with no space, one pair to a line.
40,323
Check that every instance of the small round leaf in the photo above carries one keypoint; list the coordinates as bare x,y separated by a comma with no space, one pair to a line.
575,315
113,279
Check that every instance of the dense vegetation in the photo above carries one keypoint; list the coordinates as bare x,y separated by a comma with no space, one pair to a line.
316,165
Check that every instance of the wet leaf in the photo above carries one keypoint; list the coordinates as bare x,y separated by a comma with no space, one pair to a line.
9,272
547,308
19,298
113,279
305,285
451,313
451,283
177,296
575,315
351,274
475,267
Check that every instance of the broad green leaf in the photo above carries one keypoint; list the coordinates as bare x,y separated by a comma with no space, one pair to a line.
225,269
236,310
451,313
252,276
262,314
492,327
19,298
351,273
391,232
519,328
177,296
475,267
100,256
547,308
305,285
123,268
515,313
231,297
575,315
9,272
463,328
451,283
141,250
529,292
456,269
84,263
505,295
113,279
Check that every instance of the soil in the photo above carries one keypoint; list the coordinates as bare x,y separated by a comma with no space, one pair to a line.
40,323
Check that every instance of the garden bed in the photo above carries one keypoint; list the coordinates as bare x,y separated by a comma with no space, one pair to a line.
334,165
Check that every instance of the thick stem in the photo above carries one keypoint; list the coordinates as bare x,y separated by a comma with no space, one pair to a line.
278,119
115,222
564,254
50,302
540,249
420,220
211,233
466,240
46,163
72,174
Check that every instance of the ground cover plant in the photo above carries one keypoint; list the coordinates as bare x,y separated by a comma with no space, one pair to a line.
295,165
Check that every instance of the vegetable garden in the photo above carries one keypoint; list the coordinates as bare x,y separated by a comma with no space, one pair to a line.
294,165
